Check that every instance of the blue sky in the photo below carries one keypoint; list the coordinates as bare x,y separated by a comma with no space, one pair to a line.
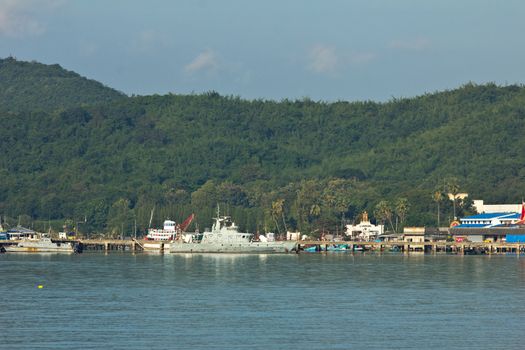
326,50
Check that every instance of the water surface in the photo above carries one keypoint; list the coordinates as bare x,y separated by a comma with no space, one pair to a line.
305,301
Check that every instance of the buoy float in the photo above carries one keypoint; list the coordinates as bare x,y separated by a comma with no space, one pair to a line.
40,286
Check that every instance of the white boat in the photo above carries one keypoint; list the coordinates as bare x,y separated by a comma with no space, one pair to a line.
159,239
41,245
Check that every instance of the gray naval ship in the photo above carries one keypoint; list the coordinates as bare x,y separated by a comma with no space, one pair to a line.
225,237
41,245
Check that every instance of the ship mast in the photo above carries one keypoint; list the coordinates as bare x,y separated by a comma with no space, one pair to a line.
151,216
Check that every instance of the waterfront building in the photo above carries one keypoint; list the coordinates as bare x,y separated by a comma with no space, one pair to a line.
487,220
414,234
492,226
421,235
365,230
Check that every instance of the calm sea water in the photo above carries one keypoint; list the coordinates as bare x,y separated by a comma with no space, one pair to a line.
305,301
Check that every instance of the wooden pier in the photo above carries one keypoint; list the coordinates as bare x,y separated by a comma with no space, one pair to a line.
131,245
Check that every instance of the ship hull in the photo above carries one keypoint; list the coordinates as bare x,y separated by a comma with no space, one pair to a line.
156,245
14,249
246,248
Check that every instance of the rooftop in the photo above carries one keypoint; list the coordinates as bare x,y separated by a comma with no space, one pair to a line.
488,216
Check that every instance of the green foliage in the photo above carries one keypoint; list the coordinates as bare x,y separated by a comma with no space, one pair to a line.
72,148
31,86
119,218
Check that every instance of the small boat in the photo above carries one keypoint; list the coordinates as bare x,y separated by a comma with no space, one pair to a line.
337,248
42,245
358,248
312,249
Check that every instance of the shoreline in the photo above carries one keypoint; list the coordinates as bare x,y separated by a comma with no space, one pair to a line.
458,248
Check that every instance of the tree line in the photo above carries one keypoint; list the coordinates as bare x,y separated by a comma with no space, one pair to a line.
104,160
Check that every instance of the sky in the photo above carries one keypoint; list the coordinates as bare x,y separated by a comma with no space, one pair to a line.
273,49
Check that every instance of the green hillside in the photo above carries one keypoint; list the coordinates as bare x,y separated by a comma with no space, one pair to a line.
28,86
301,164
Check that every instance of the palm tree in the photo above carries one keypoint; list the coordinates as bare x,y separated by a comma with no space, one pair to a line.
384,213
453,189
401,208
437,196
278,210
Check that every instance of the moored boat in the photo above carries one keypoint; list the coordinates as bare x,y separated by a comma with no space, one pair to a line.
311,249
42,245
159,239
337,248
224,237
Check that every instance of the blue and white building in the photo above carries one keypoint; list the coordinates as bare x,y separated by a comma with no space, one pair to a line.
492,227
487,220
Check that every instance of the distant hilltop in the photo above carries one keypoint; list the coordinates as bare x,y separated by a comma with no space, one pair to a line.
37,86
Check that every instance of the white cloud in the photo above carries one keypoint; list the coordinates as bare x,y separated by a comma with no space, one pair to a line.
416,44
18,18
323,59
361,57
205,61
326,60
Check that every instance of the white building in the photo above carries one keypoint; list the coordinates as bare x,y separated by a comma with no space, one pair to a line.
482,208
414,234
293,236
365,230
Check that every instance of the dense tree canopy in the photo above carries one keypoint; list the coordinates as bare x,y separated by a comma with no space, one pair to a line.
82,150
32,86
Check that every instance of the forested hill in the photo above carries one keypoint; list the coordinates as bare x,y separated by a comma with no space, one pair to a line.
34,86
296,164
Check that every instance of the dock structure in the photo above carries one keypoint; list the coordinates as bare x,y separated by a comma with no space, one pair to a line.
427,247
463,248
131,245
